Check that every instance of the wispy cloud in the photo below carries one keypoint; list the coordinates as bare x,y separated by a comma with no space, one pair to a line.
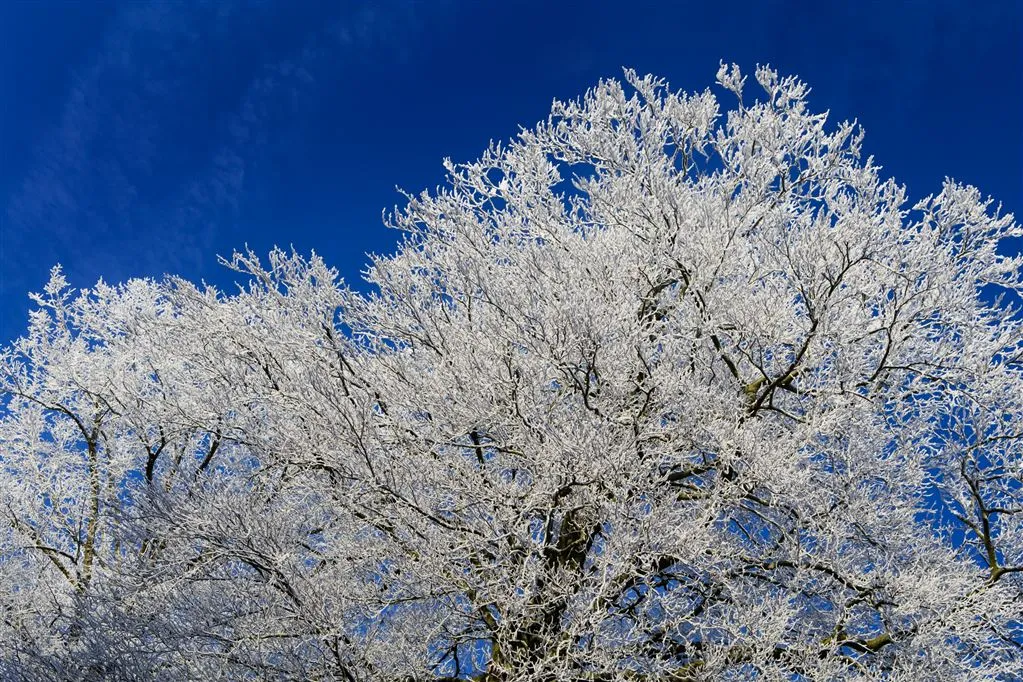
101,162
151,164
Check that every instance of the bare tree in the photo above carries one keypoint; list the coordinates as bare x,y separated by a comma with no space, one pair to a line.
649,393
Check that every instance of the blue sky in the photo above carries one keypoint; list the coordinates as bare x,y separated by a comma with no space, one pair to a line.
138,139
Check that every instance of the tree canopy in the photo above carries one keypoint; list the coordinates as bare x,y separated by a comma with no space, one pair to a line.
650,393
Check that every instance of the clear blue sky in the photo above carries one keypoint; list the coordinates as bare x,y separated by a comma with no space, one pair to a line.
143,138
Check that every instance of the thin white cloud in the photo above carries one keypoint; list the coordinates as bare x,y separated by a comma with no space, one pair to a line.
114,191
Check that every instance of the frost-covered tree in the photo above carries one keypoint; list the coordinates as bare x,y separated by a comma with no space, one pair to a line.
648,394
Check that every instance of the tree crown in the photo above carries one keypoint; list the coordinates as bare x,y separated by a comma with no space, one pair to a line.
648,393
